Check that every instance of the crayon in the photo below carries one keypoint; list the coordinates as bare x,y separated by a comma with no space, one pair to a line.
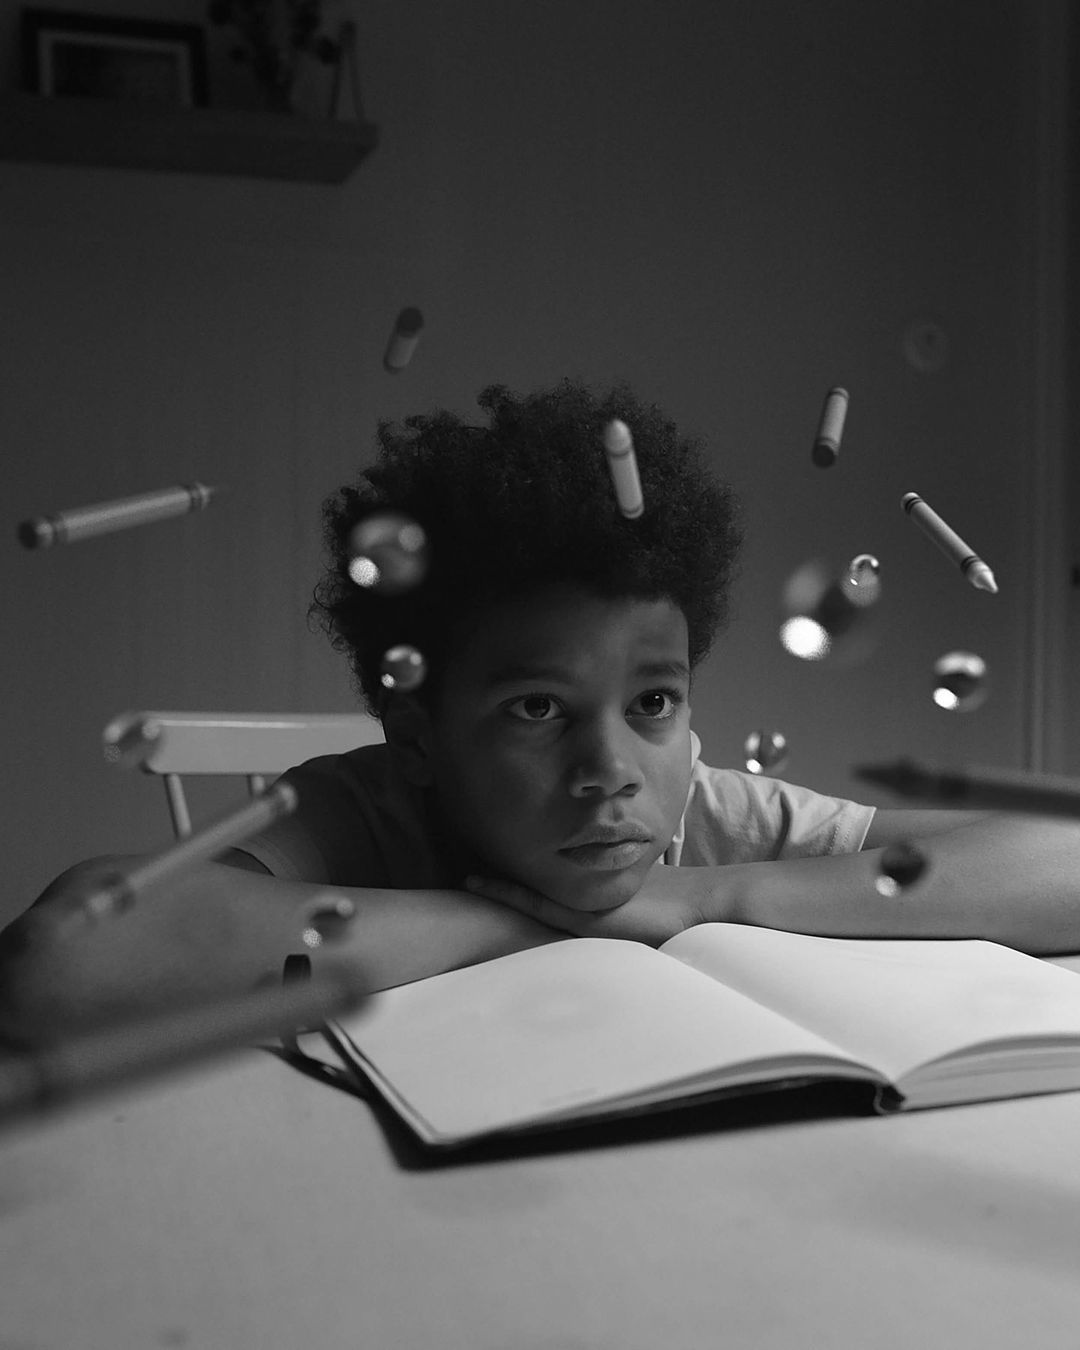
622,465
86,522
950,543
995,789
403,340
826,449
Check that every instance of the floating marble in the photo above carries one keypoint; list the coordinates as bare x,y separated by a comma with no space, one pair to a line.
403,669
862,580
765,751
901,866
959,681
389,553
329,923
823,619
805,638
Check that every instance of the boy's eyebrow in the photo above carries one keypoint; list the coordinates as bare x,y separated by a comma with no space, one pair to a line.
659,670
517,672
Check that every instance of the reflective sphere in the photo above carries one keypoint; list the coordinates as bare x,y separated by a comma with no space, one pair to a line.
826,614
403,669
389,553
765,751
862,581
960,683
901,866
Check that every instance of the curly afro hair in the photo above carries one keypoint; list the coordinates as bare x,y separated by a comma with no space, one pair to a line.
520,504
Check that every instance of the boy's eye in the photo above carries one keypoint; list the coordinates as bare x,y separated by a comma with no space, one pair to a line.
533,708
656,703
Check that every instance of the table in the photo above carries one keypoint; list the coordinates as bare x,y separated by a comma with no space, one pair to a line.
246,1206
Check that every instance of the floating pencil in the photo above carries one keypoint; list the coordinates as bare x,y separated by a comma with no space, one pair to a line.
403,339
950,543
123,888
826,449
38,1081
84,522
997,789
622,465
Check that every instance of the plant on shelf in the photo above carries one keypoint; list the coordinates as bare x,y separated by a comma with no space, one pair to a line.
275,37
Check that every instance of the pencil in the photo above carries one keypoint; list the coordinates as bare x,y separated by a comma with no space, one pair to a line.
123,888
84,1065
999,789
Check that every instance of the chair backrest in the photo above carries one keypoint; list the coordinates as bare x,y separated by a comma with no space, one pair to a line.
257,746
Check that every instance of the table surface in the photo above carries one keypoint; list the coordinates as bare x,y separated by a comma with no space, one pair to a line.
248,1205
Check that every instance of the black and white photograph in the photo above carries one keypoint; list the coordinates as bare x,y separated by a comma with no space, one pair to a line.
540,693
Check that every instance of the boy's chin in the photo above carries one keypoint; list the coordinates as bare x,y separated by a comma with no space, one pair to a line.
592,894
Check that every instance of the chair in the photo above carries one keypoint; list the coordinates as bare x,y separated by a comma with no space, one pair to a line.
256,746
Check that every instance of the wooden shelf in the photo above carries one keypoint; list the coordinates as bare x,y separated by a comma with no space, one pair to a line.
106,134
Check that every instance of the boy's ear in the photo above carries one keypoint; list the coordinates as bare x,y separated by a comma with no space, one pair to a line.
407,727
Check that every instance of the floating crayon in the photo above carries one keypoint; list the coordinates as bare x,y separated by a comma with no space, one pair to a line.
86,522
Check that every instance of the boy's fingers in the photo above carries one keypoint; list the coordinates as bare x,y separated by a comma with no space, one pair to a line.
506,891
527,902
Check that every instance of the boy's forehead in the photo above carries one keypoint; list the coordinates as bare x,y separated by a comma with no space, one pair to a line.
564,629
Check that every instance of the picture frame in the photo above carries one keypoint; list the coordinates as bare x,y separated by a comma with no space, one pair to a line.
142,61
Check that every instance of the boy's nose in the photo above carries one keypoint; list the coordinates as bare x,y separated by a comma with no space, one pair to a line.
603,763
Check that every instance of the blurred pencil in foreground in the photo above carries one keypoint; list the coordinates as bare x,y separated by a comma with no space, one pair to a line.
82,1066
124,887
997,789
85,522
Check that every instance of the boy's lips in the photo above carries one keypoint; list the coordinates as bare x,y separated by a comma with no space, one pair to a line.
608,847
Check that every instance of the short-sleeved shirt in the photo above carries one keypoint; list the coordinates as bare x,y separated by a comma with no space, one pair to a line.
359,822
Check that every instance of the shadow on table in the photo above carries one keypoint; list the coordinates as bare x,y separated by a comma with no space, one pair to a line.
759,1107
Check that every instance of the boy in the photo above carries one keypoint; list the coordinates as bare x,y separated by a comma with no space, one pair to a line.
543,780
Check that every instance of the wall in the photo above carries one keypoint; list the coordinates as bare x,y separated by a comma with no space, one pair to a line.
733,206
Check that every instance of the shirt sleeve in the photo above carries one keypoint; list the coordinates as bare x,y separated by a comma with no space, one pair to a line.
734,817
327,839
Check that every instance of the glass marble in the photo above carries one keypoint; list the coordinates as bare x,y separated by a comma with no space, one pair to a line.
389,553
403,669
959,683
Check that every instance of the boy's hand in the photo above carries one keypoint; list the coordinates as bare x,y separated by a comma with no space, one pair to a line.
670,899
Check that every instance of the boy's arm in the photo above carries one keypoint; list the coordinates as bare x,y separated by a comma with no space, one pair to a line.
224,929
1012,879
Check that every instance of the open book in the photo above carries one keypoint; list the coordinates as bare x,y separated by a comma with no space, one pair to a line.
592,1027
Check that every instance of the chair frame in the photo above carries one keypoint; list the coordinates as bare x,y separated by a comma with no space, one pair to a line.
256,746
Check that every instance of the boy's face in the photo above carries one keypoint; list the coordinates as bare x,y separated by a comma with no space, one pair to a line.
560,746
